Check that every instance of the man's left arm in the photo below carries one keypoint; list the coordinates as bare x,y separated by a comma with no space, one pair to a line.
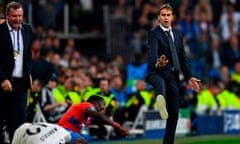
193,82
28,55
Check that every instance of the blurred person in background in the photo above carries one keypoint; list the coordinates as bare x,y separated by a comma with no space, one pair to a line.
15,68
234,81
231,52
2,14
229,22
226,99
206,102
118,90
34,96
67,93
52,110
42,67
213,56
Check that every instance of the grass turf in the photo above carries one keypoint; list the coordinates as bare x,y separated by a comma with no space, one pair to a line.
208,139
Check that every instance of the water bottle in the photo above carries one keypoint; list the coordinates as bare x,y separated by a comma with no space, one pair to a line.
84,130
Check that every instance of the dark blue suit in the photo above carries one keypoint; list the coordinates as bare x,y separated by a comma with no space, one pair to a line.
13,105
164,80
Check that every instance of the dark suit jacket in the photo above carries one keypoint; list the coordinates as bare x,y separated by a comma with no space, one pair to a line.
7,61
158,45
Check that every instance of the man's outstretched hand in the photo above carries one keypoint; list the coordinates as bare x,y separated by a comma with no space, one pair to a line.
194,83
124,131
162,61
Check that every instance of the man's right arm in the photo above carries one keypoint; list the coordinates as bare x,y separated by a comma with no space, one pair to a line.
107,121
153,49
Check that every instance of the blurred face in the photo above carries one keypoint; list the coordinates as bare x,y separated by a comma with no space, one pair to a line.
15,17
104,86
117,83
165,18
100,106
36,86
52,84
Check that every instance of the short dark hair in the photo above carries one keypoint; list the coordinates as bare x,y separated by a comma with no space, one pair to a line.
95,99
14,5
166,6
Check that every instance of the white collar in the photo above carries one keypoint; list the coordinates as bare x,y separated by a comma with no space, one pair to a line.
165,29
10,28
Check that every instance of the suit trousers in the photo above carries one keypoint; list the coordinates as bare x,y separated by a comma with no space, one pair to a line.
13,107
169,88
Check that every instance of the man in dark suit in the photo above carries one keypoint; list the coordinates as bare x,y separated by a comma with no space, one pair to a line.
164,67
15,68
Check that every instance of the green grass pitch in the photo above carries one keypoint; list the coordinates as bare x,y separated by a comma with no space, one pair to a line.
207,139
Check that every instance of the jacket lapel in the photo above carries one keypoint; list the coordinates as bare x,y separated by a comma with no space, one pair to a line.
161,34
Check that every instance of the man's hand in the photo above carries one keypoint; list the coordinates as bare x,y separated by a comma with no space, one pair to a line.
194,84
162,61
123,131
6,86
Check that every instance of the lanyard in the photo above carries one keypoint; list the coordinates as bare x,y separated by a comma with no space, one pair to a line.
18,41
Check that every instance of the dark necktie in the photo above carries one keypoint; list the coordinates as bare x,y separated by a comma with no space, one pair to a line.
175,59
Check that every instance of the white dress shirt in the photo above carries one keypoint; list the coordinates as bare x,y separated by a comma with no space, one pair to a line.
17,42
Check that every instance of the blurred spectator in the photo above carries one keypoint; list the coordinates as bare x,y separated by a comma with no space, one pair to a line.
45,8
202,7
231,52
190,30
55,60
224,74
229,22
135,71
42,67
227,100
202,47
206,103
118,90
118,66
2,13
52,111
109,98
56,45
38,32
218,7
33,99
47,43
214,58
213,55
183,7
234,83
67,93
81,15
36,46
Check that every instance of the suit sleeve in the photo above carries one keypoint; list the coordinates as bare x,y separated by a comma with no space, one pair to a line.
2,77
29,52
184,61
152,50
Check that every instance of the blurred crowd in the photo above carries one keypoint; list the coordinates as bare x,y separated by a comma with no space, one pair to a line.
63,76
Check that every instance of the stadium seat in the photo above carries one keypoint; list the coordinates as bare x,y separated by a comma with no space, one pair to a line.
136,127
39,117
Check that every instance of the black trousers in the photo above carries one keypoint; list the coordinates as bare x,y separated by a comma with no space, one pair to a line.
13,107
169,88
